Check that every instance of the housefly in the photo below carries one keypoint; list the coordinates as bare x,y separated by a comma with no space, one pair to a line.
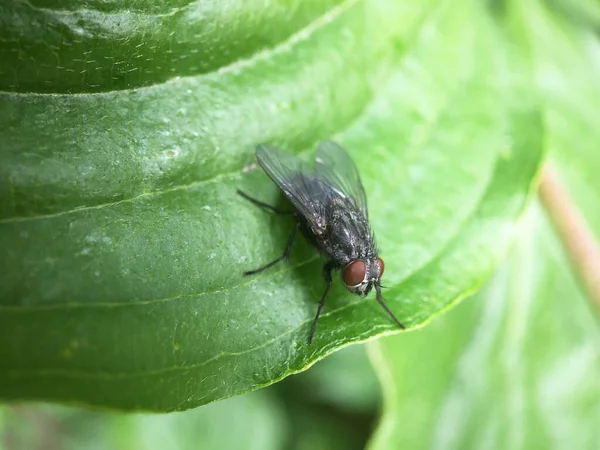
330,210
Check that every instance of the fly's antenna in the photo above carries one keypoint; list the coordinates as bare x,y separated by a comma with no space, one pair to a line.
384,306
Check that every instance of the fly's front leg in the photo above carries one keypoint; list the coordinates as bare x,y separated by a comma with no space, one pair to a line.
263,204
327,268
286,253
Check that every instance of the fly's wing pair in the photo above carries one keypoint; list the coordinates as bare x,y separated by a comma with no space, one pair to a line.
309,188
336,167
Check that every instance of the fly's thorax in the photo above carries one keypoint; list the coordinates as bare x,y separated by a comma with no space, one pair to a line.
348,235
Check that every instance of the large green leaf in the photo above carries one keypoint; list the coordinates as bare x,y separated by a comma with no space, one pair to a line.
123,239
516,366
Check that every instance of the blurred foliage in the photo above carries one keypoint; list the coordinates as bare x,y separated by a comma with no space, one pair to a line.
254,421
516,366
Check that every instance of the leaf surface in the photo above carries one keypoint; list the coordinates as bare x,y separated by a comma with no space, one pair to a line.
124,242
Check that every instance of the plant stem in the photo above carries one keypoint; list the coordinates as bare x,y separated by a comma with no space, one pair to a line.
578,241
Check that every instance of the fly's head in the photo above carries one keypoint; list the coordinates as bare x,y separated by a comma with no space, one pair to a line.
359,276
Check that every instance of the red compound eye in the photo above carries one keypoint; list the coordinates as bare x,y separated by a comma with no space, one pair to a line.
381,266
354,273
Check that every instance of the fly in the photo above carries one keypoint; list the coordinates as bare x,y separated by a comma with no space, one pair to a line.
330,210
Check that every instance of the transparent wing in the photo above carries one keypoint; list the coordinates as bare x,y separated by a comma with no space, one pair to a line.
299,182
336,167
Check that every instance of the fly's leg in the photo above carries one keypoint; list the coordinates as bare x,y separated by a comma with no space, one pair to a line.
327,268
286,253
384,306
264,205
288,248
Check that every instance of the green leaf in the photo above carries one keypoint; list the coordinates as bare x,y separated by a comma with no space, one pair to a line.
123,239
516,366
